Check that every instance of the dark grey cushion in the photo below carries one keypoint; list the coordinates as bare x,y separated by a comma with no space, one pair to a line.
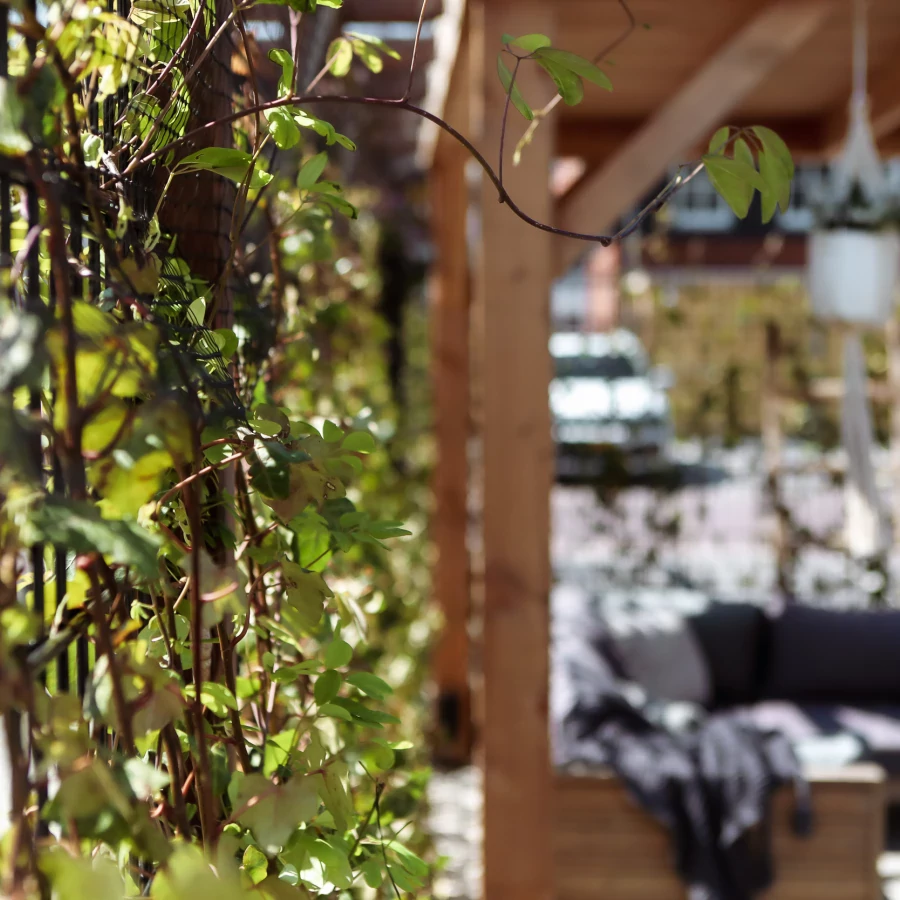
659,651
835,656
732,637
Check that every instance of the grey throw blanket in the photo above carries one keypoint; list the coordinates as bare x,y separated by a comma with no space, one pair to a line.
710,786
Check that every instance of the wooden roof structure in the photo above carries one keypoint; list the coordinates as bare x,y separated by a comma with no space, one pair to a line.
700,64
696,65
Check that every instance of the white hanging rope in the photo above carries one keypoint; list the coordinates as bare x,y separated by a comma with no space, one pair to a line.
866,526
860,50
859,163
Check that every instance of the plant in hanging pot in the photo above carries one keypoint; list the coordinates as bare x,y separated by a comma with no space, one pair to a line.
854,258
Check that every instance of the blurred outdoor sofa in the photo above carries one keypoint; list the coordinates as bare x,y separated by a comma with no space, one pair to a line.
829,680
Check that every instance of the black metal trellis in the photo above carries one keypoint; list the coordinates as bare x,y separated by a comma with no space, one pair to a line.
189,353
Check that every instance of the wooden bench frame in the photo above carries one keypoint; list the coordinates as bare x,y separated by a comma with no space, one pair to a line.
607,848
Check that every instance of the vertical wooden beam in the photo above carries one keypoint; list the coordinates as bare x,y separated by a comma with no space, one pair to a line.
450,355
603,265
772,439
513,279
892,344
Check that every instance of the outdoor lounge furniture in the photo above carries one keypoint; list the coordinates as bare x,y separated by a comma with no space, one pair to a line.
607,848
829,680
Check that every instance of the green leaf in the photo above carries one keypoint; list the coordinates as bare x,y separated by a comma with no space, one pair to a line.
334,794
734,180
327,686
331,433
384,757
286,81
530,42
774,145
375,42
403,879
578,65
270,471
338,654
416,866
568,84
359,442
719,139
143,779
341,55
370,684
335,711
778,185
104,426
337,865
13,140
515,95
227,342
743,153
215,697
227,162
79,527
282,127
91,149
255,864
274,812
311,171
372,872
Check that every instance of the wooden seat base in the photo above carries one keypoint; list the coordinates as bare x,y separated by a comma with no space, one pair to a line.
607,848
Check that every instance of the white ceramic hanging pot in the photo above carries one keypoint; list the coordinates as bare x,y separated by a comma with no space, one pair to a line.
853,275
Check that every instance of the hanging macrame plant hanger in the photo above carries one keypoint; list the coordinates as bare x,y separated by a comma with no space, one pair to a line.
857,175
853,271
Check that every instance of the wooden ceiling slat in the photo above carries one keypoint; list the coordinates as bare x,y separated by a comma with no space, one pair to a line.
691,113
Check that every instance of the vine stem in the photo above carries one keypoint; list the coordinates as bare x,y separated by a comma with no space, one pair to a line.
415,50
549,107
187,78
506,105
205,802
405,106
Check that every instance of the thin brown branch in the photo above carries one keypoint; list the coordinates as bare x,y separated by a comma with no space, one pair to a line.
237,728
177,774
196,24
205,803
506,105
212,467
415,50
542,113
124,726
603,239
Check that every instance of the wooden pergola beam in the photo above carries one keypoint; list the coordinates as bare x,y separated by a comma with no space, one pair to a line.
450,293
694,111
596,141
513,278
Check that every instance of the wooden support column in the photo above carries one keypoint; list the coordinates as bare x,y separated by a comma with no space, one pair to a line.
450,353
513,284
603,265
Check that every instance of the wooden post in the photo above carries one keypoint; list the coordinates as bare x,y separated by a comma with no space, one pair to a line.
772,453
514,273
603,264
450,354
892,343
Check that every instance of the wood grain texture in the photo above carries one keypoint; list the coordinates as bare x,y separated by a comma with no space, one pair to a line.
513,282
450,290
606,846
691,113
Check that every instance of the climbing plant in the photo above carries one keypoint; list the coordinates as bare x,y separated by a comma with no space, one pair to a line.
190,570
